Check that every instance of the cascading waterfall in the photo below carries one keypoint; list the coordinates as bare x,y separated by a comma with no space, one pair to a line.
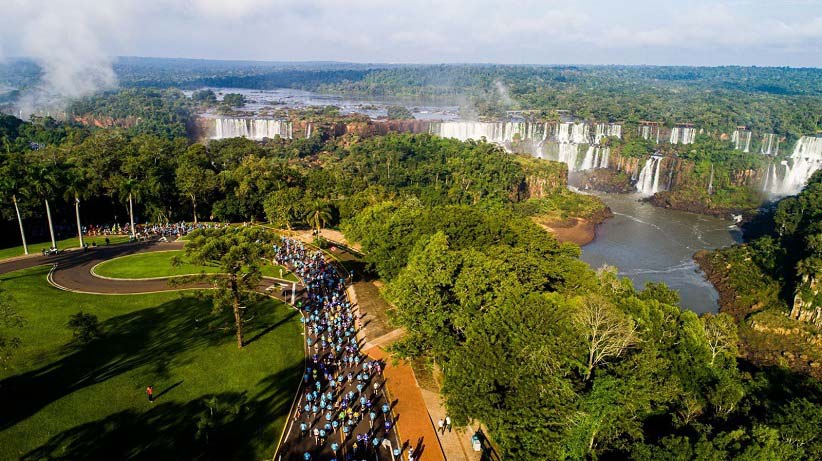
561,141
604,130
568,154
805,160
683,135
595,157
649,132
741,140
308,130
648,182
770,144
495,132
711,181
256,129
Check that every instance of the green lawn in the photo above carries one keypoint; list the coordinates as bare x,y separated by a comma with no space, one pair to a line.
63,400
158,264
36,248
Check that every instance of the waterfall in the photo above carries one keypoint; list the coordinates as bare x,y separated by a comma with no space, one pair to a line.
648,181
256,129
683,135
741,140
568,132
605,156
770,144
495,132
798,168
604,130
308,130
649,132
711,181
568,154
588,161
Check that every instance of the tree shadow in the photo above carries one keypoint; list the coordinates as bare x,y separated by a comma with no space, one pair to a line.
167,390
154,337
214,426
268,329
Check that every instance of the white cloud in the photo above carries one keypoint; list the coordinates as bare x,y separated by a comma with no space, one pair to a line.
63,32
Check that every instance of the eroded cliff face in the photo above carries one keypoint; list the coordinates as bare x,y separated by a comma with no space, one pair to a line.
806,305
542,178
107,122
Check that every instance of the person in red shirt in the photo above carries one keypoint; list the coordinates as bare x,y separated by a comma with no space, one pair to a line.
150,393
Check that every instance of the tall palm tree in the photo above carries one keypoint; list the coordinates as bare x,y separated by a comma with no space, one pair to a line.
10,187
41,181
129,188
76,188
319,214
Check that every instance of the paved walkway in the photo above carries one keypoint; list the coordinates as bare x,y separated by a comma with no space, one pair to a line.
414,426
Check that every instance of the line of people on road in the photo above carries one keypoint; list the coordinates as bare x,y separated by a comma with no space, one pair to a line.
342,413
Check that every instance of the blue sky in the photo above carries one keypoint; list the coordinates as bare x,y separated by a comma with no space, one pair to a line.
686,32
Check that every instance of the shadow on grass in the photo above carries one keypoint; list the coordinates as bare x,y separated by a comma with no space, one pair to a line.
150,337
227,425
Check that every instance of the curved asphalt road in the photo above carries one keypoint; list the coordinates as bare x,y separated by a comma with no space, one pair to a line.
72,270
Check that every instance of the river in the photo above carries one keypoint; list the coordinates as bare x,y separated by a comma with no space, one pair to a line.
651,244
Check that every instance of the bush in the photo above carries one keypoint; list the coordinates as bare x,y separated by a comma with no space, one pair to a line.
85,327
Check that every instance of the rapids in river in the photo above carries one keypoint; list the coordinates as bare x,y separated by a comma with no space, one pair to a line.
651,244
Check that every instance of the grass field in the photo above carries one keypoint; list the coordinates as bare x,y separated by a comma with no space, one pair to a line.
65,400
158,264
36,248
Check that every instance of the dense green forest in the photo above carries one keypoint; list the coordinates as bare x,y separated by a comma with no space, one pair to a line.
771,283
241,180
563,362
558,360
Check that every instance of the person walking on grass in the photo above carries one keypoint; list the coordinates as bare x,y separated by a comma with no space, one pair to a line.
150,393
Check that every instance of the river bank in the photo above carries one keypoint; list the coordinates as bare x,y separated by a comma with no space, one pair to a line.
573,230
650,244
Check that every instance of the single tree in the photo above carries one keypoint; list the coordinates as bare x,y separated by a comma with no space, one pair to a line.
607,331
194,177
85,327
76,188
318,215
11,180
237,251
41,182
129,188
720,335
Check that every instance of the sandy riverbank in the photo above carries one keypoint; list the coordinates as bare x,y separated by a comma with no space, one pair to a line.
574,230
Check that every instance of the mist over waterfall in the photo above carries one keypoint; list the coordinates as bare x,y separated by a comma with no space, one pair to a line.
741,140
789,176
683,135
648,181
256,129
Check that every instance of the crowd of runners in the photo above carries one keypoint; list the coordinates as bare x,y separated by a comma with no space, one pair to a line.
342,413
148,231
